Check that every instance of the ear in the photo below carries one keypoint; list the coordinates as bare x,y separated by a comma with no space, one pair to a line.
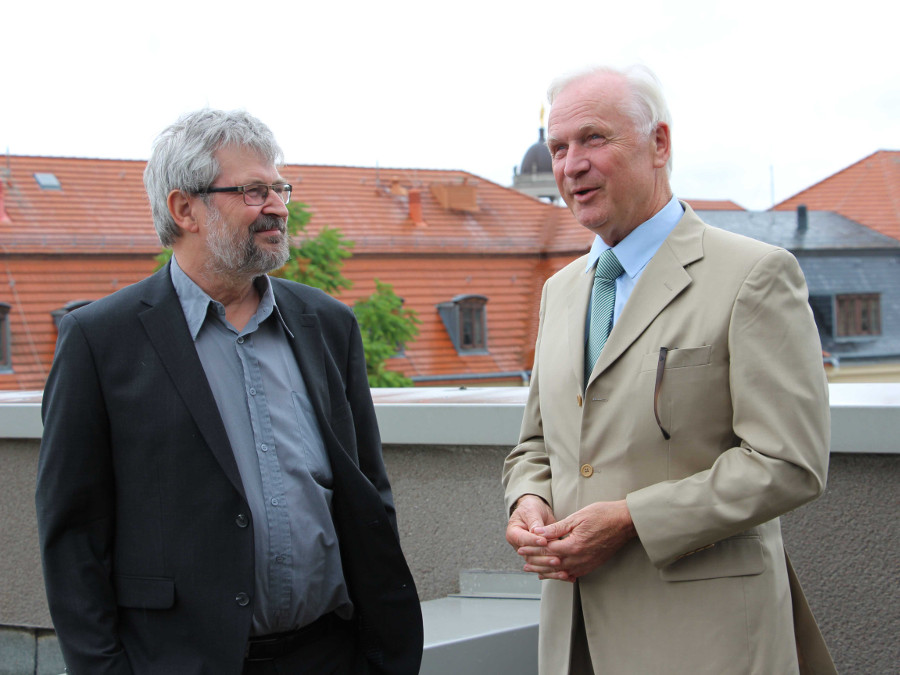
662,145
183,208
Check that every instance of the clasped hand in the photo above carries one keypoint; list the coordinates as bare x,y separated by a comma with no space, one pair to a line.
571,547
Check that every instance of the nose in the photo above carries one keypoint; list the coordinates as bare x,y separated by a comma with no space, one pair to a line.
576,162
275,205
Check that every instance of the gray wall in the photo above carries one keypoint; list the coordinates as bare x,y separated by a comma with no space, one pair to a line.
846,550
451,515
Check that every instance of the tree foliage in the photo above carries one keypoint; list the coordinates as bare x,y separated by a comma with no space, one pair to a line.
315,261
386,327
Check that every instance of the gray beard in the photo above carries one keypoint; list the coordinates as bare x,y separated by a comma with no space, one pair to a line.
235,256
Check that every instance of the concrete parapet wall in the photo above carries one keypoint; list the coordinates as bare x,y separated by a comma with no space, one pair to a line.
452,518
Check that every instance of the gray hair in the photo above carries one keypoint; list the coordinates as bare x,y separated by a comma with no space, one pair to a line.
648,103
184,158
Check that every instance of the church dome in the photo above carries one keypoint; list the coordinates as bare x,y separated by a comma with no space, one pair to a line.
537,158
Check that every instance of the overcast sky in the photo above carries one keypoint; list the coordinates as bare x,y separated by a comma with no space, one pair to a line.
767,97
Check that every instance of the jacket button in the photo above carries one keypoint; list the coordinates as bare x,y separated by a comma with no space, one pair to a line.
242,599
578,400
587,470
242,520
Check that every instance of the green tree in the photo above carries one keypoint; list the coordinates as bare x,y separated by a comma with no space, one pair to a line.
317,261
386,327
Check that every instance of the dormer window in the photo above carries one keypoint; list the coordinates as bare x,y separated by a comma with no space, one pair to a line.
848,316
58,314
465,319
5,349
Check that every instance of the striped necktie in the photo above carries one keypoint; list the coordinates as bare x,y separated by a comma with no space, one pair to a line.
603,300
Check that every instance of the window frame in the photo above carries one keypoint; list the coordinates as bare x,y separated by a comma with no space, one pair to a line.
465,319
5,339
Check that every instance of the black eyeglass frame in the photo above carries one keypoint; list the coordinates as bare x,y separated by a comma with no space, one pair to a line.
283,190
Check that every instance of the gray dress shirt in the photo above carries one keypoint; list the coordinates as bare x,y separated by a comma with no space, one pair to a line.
278,446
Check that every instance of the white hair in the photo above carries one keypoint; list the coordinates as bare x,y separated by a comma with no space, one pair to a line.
648,106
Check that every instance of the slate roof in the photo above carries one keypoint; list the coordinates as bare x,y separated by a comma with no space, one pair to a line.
838,256
825,230
867,191
865,273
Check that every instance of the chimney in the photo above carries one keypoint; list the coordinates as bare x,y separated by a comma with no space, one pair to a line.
802,219
4,216
415,208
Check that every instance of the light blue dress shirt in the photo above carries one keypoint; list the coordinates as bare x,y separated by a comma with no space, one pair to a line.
282,459
634,252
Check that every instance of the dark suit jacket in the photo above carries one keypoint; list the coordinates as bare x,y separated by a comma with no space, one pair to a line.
145,531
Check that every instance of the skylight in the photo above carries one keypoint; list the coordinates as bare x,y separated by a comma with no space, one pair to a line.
48,181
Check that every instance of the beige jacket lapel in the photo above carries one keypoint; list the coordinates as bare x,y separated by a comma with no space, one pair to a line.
579,292
662,281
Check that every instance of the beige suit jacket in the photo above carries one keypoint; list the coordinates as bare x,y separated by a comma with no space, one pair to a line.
705,587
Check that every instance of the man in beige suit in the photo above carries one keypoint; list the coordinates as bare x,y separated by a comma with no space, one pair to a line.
646,487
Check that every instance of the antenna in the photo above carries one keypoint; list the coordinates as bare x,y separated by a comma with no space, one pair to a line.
772,183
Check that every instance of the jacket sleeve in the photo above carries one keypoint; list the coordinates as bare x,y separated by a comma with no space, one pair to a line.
527,467
75,509
779,397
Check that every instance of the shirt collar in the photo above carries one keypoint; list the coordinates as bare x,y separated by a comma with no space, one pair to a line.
195,302
636,249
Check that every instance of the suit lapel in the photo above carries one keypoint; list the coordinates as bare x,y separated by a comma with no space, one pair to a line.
308,348
167,329
662,281
579,292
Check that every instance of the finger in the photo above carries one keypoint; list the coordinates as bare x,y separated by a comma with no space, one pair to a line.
520,537
543,561
541,569
555,530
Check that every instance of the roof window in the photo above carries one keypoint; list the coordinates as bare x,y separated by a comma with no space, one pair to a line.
58,314
48,181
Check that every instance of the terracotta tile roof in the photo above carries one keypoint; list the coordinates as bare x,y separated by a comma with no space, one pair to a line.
867,192
34,287
101,206
471,236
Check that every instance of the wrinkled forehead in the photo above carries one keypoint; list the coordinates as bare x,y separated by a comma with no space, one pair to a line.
246,163
590,105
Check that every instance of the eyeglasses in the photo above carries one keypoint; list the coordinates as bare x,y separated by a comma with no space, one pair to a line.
255,194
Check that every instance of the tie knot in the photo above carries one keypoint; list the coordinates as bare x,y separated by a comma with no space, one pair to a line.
608,265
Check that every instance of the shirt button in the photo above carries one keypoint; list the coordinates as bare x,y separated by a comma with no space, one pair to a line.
252,391
264,447
240,340
274,501
242,599
279,558
242,520
587,470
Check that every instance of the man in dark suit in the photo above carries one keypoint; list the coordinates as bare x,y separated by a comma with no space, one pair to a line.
211,493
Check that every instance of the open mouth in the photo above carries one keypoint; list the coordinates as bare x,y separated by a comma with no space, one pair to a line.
584,194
